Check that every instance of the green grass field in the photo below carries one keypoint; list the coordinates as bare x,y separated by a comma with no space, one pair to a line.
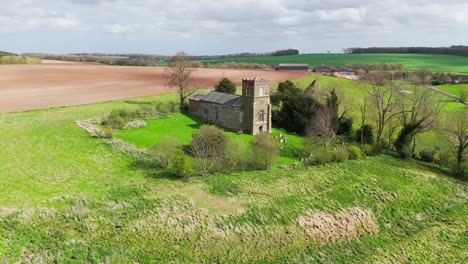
183,126
444,63
455,89
70,198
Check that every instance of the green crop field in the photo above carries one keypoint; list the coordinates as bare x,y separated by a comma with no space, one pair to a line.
69,198
444,63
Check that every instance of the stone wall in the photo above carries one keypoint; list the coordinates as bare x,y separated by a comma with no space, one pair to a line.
220,115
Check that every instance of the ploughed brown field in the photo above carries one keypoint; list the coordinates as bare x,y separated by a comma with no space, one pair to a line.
52,84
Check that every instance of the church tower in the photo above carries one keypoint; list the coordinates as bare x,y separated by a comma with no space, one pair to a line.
256,105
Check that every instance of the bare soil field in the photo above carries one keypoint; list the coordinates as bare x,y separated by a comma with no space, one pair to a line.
27,87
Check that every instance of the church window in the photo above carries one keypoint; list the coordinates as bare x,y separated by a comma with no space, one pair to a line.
261,91
261,116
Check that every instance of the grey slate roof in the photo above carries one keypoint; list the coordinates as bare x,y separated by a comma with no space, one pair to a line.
220,98
197,97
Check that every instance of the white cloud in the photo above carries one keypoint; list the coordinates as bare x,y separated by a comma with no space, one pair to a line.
242,25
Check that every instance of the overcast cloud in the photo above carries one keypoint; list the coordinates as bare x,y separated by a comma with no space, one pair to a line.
220,27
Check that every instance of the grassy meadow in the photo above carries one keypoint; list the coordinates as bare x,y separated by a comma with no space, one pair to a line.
70,198
443,63
455,89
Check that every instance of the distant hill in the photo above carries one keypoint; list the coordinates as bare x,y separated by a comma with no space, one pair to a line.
5,53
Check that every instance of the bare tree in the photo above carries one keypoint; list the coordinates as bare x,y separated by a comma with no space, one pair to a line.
179,74
208,147
363,109
323,125
381,96
420,109
456,128
418,104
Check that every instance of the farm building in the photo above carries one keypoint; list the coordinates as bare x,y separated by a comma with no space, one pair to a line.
249,112
293,67
330,70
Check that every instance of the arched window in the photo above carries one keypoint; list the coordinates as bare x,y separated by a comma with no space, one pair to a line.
261,116
261,92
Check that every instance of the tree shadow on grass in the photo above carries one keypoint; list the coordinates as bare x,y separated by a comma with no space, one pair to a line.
152,170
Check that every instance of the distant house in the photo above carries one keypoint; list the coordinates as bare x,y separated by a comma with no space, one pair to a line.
459,78
293,67
323,69
329,70
249,112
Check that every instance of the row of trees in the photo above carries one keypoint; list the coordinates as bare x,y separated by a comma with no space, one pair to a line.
392,115
453,50
284,52
114,59
5,53
399,112
18,60
211,150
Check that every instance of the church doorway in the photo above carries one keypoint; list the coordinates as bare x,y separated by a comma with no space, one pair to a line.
260,129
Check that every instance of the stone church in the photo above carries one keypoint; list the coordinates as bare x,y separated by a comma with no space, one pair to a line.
249,112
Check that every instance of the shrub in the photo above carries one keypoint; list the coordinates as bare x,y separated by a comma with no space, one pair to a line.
164,150
365,135
208,147
367,149
225,86
354,152
182,165
115,120
323,156
340,155
265,151
427,155
236,156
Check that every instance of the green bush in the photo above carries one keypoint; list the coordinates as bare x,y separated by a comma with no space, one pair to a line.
354,152
367,149
265,151
427,155
340,155
118,118
182,165
164,150
323,156
208,147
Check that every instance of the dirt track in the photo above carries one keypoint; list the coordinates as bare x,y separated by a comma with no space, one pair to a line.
27,87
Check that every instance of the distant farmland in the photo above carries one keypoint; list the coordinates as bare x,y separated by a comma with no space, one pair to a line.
445,63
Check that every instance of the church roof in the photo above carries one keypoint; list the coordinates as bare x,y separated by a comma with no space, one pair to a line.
220,98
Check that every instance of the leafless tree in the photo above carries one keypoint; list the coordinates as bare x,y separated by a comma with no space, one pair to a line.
208,147
179,74
323,125
380,101
363,109
456,128
419,105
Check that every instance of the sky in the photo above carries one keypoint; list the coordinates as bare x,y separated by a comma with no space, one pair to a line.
210,27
